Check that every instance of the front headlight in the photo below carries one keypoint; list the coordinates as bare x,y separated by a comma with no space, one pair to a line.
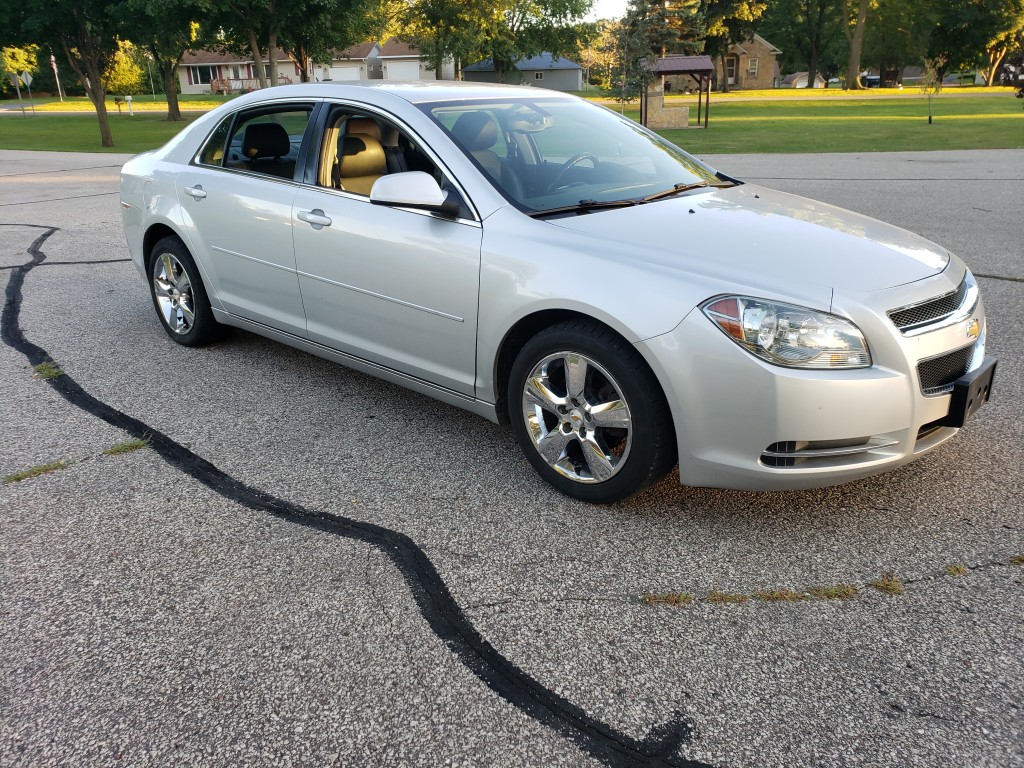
783,334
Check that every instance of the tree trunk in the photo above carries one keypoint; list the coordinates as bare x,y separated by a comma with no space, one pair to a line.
169,75
272,56
995,60
89,72
725,74
257,57
855,38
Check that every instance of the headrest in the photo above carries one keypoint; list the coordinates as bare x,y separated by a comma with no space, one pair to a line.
365,125
265,140
476,131
362,155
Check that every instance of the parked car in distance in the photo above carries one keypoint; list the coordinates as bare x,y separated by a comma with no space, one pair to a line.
546,262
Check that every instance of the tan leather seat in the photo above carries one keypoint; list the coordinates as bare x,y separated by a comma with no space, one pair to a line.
362,161
477,132
363,125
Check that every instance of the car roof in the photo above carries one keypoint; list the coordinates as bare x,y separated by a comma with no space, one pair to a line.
413,91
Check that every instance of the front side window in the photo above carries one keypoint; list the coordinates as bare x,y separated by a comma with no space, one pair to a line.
264,141
548,153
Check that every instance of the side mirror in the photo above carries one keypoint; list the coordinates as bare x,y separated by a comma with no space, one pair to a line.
413,189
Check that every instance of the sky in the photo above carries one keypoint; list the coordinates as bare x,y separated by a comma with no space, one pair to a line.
607,9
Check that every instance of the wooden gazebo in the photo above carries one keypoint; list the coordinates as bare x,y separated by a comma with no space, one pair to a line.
699,68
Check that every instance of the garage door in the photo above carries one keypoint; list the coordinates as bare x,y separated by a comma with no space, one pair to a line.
350,72
403,70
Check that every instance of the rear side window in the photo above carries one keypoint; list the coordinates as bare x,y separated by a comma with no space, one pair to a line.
266,142
213,152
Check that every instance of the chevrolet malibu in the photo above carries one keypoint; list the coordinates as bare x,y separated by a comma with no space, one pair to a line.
545,262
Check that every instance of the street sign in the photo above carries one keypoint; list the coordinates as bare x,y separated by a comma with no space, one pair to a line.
26,78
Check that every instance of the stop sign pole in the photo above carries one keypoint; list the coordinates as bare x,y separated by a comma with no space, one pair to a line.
26,78
17,87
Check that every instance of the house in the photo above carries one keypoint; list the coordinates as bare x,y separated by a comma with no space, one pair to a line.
402,61
217,71
220,72
750,64
799,80
356,62
544,71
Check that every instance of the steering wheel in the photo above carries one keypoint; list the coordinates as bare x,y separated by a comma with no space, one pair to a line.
567,165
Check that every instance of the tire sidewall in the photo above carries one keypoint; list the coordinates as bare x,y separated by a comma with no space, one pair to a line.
623,363
203,323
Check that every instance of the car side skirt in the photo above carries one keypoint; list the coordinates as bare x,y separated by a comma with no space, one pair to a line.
471,404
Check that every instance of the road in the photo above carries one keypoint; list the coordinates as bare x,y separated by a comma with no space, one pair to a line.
310,567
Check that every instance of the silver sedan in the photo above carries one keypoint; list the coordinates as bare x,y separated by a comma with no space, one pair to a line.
542,261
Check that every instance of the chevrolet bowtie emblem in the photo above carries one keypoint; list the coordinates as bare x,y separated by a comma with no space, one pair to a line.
973,329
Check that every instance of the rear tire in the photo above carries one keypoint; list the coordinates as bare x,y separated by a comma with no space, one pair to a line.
179,296
589,413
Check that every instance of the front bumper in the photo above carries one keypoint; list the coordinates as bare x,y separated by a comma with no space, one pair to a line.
744,424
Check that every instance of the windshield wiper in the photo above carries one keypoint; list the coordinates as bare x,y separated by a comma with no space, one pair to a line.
583,206
680,188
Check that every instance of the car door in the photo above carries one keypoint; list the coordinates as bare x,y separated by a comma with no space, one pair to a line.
393,286
237,199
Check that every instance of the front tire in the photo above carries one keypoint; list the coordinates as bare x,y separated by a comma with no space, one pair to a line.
179,296
589,413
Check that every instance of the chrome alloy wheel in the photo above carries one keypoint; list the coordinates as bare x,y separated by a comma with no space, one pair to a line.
577,418
172,289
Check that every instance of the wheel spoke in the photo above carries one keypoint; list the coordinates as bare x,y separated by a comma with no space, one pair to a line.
184,284
187,314
552,445
613,415
600,464
575,375
168,269
537,393
167,308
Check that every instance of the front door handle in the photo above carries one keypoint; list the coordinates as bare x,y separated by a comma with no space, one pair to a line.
197,192
315,217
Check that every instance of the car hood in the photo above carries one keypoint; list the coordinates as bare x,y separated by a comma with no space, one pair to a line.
751,231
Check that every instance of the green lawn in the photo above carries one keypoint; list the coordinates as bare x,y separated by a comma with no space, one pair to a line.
869,124
81,133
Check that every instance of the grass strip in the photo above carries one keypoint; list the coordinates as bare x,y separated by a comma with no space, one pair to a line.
36,471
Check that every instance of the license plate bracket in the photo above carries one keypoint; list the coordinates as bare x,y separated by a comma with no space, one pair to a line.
970,392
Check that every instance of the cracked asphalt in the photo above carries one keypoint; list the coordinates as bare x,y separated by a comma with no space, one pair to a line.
149,618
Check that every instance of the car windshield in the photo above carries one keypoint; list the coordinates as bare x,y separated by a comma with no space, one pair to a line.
554,154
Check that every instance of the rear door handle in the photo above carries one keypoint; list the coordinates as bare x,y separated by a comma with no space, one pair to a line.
197,192
315,217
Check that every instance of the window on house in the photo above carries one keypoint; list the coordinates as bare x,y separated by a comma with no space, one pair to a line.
266,70
538,75
752,66
202,75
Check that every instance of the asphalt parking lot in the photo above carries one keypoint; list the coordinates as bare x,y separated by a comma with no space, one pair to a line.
311,567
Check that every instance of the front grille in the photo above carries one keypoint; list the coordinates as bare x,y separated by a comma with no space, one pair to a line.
938,374
929,311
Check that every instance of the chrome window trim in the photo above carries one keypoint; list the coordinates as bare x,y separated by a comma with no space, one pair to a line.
402,125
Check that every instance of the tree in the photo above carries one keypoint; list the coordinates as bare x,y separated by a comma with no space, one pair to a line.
14,61
311,31
84,31
728,22
647,31
446,29
522,28
166,29
123,76
856,16
1007,36
897,36
809,34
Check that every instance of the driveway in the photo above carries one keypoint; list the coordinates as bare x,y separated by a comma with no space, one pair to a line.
307,566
